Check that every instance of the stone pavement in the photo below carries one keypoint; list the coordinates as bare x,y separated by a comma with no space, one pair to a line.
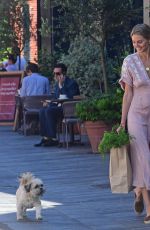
77,195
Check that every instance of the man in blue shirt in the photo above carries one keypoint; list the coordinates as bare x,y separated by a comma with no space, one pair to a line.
11,66
20,62
34,83
49,116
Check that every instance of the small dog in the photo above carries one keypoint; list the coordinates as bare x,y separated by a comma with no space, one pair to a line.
28,195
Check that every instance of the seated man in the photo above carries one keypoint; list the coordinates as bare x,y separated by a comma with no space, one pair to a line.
49,116
34,84
11,64
20,61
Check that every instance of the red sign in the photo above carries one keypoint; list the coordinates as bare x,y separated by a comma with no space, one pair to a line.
8,88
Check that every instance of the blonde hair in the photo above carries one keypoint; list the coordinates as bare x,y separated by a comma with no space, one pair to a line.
141,29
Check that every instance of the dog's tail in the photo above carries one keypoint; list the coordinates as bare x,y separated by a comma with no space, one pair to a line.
25,178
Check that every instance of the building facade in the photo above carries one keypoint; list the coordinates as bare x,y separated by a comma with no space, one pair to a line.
31,49
37,10
146,11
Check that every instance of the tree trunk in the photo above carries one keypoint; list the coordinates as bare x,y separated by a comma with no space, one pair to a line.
103,65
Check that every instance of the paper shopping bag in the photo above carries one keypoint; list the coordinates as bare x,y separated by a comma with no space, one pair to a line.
120,171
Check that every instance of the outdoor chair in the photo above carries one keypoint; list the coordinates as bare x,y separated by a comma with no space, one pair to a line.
31,106
69,120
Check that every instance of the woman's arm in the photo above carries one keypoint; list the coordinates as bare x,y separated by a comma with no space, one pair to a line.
126,102
127,98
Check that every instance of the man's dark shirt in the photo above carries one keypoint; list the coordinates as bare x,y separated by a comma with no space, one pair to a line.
70,88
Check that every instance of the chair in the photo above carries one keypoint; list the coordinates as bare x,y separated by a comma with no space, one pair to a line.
31,106
69,120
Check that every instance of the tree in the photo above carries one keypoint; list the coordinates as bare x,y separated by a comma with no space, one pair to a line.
83,65
14,24
96,19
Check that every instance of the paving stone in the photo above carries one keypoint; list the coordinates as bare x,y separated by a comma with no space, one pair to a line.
78,195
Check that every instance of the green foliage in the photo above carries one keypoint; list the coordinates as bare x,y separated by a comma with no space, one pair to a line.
112,139
106,108
93,17
45,30
87,110
83,65
14,24
117,61
46,63
45,3
98,20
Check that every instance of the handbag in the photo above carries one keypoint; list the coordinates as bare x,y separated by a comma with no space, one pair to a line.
120,171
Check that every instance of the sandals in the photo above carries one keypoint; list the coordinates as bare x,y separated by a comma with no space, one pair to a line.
147,220
139,204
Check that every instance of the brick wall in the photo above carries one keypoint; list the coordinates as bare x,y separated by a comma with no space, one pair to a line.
33,46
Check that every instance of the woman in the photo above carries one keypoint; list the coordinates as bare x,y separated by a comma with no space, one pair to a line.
135,80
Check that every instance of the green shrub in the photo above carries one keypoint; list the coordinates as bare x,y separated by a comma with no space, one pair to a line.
83,61
46,63
106,108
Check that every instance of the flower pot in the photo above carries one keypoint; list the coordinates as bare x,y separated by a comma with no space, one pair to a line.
95,131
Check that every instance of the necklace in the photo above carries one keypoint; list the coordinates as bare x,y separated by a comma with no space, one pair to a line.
146,64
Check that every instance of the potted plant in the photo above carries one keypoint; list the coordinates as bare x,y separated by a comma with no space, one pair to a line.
99,114
112,139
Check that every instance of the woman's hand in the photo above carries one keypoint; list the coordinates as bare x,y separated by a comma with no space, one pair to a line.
61,81
121,126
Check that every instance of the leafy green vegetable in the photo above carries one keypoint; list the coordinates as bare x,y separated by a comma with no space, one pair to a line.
112,139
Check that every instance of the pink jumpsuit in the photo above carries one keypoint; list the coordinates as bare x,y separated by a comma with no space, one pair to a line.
135,75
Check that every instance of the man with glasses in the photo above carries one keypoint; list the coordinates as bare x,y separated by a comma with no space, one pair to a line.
49,116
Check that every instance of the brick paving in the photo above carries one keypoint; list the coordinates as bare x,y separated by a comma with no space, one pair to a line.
77,195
